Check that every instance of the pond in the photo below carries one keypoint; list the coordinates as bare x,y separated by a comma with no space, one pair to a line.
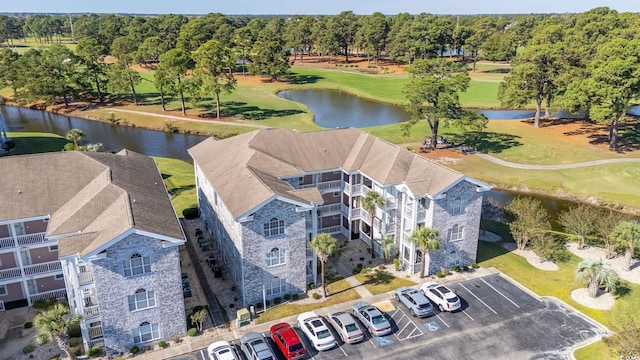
334,108
148,142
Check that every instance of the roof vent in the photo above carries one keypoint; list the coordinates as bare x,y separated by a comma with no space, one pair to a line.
19,192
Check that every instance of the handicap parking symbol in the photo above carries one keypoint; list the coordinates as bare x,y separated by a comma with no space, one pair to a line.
384,341
432,326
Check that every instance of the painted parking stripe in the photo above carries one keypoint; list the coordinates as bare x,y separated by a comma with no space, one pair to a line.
204,356
444,322
498,291
469,316
413,333
474,295
341,349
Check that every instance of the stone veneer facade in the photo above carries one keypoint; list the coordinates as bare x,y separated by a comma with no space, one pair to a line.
112,289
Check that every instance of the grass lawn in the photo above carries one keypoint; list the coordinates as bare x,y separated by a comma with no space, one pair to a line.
558,284
179,180
34,142
379,282
340,291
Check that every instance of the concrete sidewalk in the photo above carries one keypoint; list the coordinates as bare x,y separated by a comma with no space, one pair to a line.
191,344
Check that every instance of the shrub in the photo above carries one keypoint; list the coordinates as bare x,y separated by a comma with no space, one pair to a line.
192,332
296,297
112,118
28,325
439,274
315,296
170,127
28,348
74,341
357,269
176,340
162,344
312,286
95,352
277,301
445,272
44,304
457,269
287,297
134,349
410,148
465,268
78,351
190,213
474,265
231,306
396,264
75,331
259,305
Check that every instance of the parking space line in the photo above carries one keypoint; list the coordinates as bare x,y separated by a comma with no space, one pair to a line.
474,295
341,349
441,319
503,295
371,342
411,336
204,356
469,316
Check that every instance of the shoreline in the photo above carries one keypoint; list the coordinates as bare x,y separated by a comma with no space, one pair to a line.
76,109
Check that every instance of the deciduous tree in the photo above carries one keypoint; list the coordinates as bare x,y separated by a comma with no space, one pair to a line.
527,218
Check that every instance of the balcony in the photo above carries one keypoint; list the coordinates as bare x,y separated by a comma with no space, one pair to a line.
390,203
33,239
327,186
48,295
331,229
85,278
8,274
91,312
96,343
390,228
356,190
359,213
43,268
309,253
95,332
6,243
422,213
329,209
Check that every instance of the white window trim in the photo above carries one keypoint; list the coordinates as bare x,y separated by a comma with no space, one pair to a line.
282,287
276,254
459,233
129,266
273,227
3,290
457,206
53,248
137,333
139,303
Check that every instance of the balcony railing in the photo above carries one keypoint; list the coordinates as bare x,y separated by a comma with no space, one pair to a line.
390,228
32,239
96,343
328,209
8,274
91,312
331,229
309,253
390,203
51,266
7,242
1,306
422,213
85,278
355,190
48,295
335,185
95,332
361,214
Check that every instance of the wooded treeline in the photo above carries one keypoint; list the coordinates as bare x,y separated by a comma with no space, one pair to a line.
586,62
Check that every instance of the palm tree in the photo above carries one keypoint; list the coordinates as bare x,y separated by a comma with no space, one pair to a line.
627,234
324,244
427,239
369,203
75,135
54,325
597,274
388,244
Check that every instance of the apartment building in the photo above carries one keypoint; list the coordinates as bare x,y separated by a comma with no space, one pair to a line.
264,195
97,230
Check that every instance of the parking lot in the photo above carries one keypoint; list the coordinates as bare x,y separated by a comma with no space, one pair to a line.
498,320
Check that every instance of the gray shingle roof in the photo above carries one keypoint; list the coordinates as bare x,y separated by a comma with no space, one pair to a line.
99,195
237,167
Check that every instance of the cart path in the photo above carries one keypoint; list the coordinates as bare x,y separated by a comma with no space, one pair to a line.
559,166
189,119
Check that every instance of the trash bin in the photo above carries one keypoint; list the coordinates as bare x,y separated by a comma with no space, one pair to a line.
217,271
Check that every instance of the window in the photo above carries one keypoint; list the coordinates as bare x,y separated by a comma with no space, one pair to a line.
146,332
59,276
336,194
53,248
457,206
274,227
276,257
456,233
276,286
142,299
3,290
137,265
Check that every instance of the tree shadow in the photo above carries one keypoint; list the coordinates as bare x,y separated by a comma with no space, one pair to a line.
498,71
165,176
378,278
488,250
298,79
621,290
247,112
487,142
178,190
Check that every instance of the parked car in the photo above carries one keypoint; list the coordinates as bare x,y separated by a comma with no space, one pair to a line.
316,330
346,326
222,350
442,296
256,347
372,318
415,301
288,341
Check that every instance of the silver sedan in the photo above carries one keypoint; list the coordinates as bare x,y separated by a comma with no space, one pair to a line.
346,326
